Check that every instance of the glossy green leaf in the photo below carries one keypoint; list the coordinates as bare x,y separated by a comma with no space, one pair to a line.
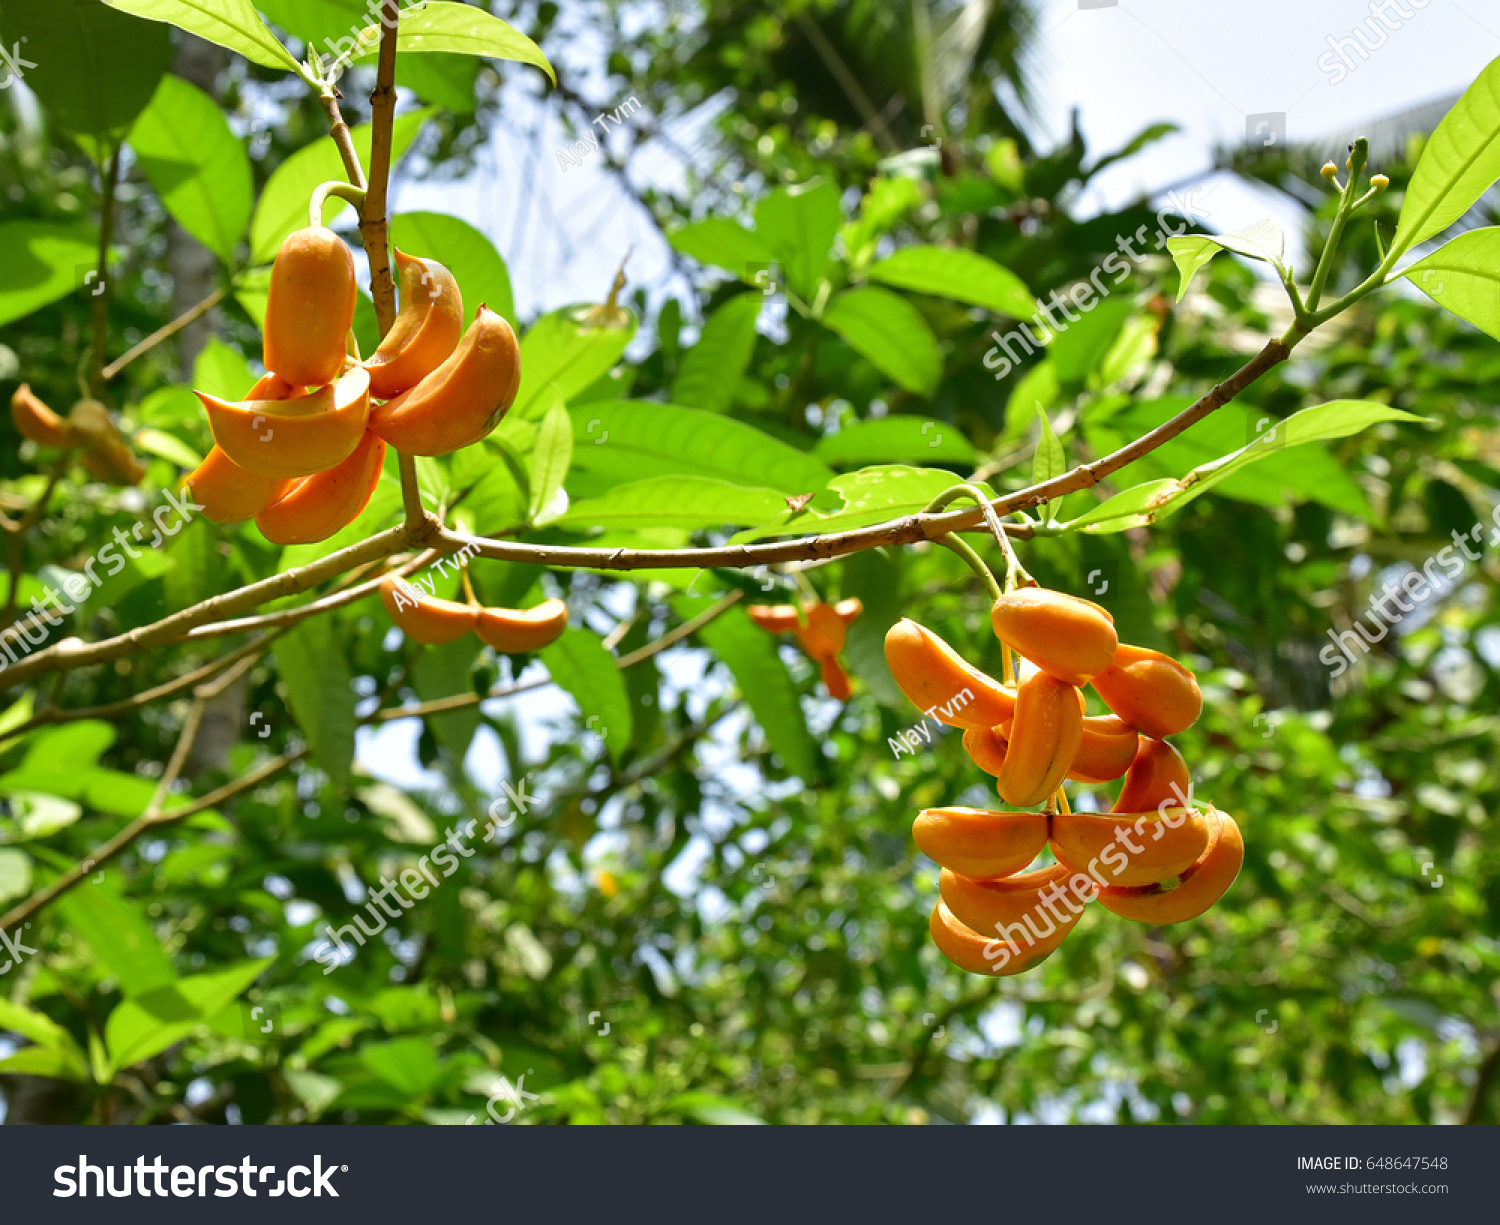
890,333
198,167
283,200
550,459
222,371
579,663
893,440
959,274
15,879
1264,241
722,243
230,23
1127,509
618,441
1050,460
1464,276
95,67
1459,163
310,660
466,253
441,25
562,353
149,1022
692,502
798,224
123,943
711,371
41,261
442,672
871,495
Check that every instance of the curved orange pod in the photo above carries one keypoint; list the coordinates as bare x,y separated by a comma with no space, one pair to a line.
463,399
774,618
512,631
321,504
835,679
823,635
425,332
310,307
34,420
1025,909
1152,692
1157,776
1069,638
1192,893
229,494
968,950
297,436
423,617
942,684
977,843
107,454
1130,849
986,747
1044,737
1108,747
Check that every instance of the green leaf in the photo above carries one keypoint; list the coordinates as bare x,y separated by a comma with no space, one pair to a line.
959,274
1050,459
465,252
618,441
1459,163
892,439
579,664
871,495
1081,347
55,1053
39,815
442,672
230,23
750,654
15,878
561,354
1130,508
1133,348
1265,241
408,1064
122,941
1039,388
549,462
40,262
711,1109
198,167
692,502
221,371
890,333
798,224
440,25
283,200
722,243
712,370
446,81
310,660
43,1061
168,446
1464,277
95,67
148,1023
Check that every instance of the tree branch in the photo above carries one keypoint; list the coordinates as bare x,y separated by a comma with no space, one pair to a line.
373,227
165,332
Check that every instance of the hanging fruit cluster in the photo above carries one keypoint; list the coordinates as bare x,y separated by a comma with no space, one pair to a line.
511,631
303,452
820,629
88,426
1153,858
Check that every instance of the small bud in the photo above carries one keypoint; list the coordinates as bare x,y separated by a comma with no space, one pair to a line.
1329,170
1380,181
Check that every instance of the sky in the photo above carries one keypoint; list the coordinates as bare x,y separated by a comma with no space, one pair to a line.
1206,65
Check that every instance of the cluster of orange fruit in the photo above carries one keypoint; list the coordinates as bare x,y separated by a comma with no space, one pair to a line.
303,452
1153,858
820,629
511,631
88,426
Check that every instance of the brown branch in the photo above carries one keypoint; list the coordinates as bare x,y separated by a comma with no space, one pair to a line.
339,130
682,631
165,332
373,227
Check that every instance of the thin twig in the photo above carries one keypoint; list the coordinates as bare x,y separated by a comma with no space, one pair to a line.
165,332
373,227
110,176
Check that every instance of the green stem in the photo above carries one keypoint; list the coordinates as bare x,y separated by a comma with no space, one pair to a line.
973,561
1015,573
1347,204
335,187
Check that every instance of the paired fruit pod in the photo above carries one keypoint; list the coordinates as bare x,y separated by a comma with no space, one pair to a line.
513,631
1131,849
316,507
968,950
462,400
977,843
942,684
106,454
1152,692
1198,887
1027,909
34,420
229,494
425,332
293,437
1064,636
425,618
1045,734
1108,747
986,747
1157,776
310,308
